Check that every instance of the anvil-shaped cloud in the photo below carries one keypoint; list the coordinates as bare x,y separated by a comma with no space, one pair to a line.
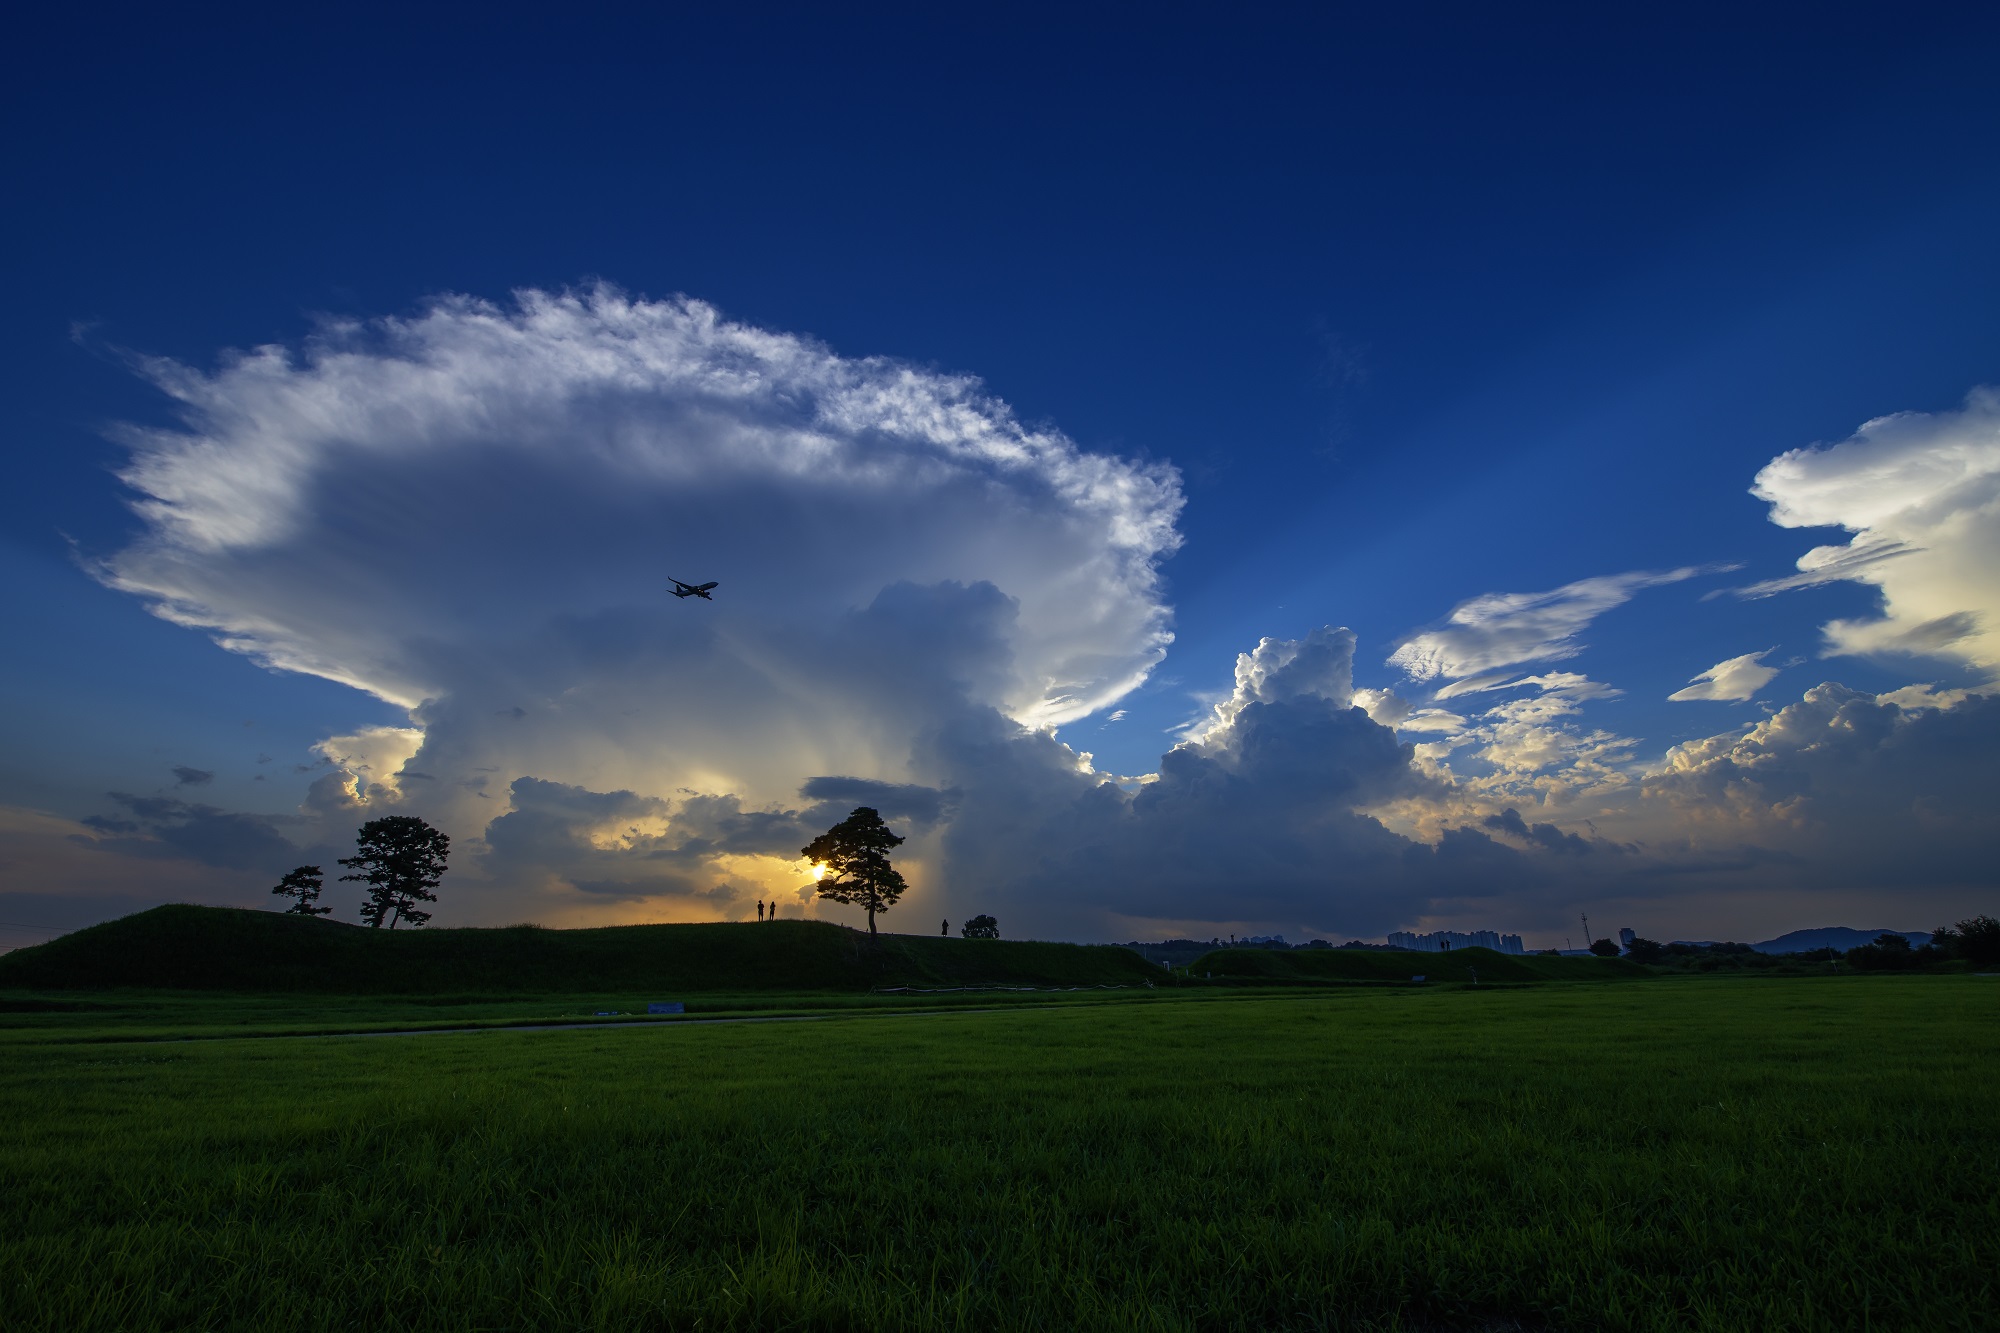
473,513
501,478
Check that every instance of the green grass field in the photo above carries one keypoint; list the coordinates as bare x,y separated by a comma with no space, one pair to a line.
1711,1154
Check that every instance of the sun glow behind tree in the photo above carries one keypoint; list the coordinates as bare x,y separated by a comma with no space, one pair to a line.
852,863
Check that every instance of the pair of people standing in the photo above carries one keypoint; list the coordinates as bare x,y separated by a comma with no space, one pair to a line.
760,909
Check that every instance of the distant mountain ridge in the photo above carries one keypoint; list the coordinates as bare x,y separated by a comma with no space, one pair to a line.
1835,937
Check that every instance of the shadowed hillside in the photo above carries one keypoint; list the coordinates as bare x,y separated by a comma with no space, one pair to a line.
1382,965
226,948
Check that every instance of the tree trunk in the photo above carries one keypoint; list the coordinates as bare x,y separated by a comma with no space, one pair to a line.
871,918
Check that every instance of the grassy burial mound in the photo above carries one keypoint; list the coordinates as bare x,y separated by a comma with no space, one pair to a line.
1352,965
230,949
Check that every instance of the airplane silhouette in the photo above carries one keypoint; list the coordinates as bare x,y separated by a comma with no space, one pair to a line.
692,590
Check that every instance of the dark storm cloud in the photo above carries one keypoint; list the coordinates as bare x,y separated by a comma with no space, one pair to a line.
551,823
709,826
922,806
160,826
1545,836
1262,817
620,844
657,885
1850,788
615,843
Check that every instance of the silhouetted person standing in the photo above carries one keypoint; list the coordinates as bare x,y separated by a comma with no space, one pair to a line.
760,909
945,929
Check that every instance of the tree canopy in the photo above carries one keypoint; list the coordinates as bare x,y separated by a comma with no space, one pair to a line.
401,859
1975,938
855,853
304,884
981,928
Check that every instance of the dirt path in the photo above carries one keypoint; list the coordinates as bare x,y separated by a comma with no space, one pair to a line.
654,1023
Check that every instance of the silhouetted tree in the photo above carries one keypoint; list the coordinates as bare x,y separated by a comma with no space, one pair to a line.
855,853
1604,949
1887,952
401,859
303,884
1977,939
1645,951
981,928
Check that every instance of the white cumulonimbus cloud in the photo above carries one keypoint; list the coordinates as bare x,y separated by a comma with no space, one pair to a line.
475,513
1735,680
1921,494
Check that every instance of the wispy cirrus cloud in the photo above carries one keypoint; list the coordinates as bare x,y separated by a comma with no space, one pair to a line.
1736,680
1487,634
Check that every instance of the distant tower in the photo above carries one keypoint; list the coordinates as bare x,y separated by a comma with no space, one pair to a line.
1586,928
1625,936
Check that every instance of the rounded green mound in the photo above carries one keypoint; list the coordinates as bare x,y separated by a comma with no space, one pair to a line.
1381,965
229,949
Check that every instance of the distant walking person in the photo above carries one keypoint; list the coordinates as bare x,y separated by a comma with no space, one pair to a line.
945,929
760,909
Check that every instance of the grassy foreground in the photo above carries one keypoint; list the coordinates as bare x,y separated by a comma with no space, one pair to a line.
1717,1155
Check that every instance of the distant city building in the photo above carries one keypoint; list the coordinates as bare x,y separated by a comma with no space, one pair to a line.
1438,941
1626,936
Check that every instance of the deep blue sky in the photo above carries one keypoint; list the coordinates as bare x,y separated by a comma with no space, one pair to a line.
1423,304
